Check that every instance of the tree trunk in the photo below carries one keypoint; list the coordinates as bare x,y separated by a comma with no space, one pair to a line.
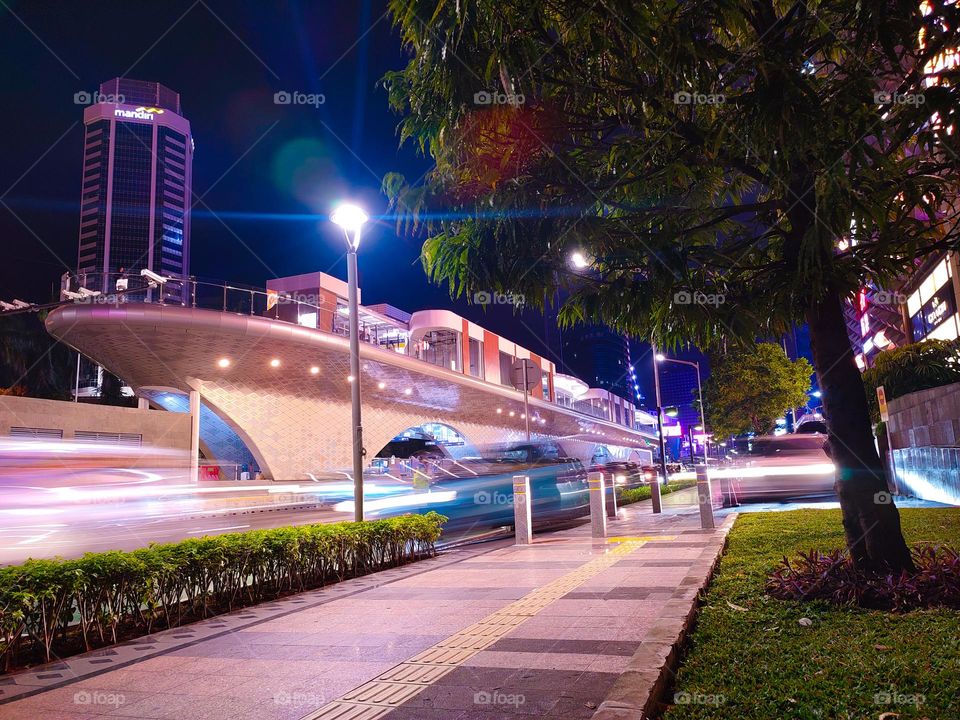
870,519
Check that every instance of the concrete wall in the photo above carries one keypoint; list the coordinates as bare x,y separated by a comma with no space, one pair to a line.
926,418
925,443
158,428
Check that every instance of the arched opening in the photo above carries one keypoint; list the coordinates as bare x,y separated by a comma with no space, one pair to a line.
435,444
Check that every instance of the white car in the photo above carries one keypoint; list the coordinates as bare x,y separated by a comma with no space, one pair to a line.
782,467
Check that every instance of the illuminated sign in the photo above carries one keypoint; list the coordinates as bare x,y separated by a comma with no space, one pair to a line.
934,312
140,113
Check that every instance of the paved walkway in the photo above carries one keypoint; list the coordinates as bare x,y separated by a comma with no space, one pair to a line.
569,627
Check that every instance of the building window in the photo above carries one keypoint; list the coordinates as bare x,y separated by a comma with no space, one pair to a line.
440,347
476,358
506,369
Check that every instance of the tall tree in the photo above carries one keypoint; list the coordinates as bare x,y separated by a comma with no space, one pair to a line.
31,361
748,389
709,160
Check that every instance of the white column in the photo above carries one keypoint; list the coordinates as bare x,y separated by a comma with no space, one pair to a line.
194,435
598,510
522,517
704,497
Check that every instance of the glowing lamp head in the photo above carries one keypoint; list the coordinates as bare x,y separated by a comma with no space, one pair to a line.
661,357
579,260
350,217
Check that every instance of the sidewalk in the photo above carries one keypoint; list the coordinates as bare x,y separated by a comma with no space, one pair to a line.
569,627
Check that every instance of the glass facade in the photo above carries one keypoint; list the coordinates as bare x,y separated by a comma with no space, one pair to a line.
476,358
933,306
440,347
135,194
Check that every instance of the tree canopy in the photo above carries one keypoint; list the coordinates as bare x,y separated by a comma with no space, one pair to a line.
750,388
723,168
687,149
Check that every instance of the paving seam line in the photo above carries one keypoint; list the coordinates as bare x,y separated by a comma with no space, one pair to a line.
641,690
391,689
435,563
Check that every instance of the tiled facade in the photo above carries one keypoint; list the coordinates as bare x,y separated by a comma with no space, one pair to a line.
295,416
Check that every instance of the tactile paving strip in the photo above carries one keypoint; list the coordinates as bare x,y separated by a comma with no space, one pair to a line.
390,689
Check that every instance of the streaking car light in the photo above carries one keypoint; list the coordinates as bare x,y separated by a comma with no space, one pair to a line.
408,502
775,471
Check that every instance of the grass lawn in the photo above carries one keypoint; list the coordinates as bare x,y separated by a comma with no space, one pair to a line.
751,658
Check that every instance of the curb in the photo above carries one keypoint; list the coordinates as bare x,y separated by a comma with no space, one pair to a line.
640,690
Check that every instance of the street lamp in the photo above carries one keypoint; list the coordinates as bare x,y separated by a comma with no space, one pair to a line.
703,420
351,218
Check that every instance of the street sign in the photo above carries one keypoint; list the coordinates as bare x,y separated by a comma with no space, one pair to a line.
882,402
532,376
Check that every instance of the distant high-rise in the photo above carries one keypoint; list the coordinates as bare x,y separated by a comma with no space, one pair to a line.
135,198
598,356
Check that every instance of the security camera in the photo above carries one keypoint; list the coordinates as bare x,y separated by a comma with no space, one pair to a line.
87,292
70,295
152,277
15,305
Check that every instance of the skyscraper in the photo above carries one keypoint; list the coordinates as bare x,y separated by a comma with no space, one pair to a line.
135,197
598,356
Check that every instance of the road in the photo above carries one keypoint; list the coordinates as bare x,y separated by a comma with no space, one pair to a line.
97,510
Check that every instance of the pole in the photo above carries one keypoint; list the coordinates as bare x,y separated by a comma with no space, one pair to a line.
526,408
703,417
522,518
194,435
655,488
355,385
76,387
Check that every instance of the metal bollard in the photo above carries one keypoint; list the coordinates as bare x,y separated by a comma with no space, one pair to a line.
655,495
522,518
704,497
598,510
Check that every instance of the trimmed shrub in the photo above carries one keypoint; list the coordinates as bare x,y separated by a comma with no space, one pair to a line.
54,608
626,496
907,369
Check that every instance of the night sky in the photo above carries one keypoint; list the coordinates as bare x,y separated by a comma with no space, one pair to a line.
265,176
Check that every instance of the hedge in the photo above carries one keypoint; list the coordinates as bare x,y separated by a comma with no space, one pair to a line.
53,608
625,496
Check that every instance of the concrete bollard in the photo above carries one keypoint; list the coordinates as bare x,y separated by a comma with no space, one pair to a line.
612,500
598,510
655,495
704,497
522,518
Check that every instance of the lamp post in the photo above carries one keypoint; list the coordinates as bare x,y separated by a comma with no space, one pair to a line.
655,491
351,218
703,419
